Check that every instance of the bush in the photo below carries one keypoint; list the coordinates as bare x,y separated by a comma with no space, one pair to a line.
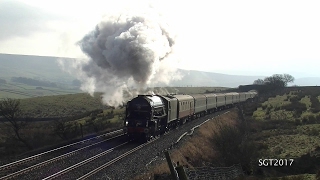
234,147
304,120
310,119
297,106
297,122
315,110
277,108
313,132
294,99
264,107
318,118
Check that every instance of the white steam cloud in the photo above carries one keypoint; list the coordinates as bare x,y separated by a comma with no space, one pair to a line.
126,53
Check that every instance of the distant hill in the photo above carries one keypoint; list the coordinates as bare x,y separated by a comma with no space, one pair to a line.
308,81
47,69
200,78
36,67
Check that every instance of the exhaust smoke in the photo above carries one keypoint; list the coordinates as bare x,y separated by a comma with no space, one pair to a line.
126,53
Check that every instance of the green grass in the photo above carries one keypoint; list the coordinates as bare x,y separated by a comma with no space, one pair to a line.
51,103
290,146
275,105
283,140
22,91
60,105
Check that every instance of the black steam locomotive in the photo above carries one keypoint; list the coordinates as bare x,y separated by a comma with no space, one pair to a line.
148,116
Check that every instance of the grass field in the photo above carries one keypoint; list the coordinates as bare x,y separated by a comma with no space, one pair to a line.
54,102
22,91
60,105
274,107
291,140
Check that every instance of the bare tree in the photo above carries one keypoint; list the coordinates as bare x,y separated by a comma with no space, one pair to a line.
258,81
11,116
288,78
62,128
279,80
275,81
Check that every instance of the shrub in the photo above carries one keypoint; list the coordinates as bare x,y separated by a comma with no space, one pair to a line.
297,122
264,107
315,110
294,99
311,119
313,132
305,120
298,107
233,146
277,108
318,118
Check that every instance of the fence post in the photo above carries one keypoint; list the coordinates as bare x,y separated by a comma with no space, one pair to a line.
181,173
172,170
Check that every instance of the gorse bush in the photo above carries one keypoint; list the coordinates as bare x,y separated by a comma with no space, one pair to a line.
295,106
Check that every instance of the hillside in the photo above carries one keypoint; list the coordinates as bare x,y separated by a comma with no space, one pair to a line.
47,69
200,78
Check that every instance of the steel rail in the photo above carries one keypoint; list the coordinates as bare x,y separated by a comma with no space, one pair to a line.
25,160
41,164
75,166
109,163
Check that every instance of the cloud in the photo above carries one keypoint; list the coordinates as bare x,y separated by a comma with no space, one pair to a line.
21,20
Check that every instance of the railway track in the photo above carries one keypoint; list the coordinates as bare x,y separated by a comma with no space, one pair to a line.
34,162
89,167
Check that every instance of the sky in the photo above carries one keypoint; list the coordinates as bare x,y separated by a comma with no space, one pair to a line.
231,37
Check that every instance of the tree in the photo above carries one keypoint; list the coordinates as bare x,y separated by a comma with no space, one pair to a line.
279,80
275,81
10,112
288,78
258,82
62,128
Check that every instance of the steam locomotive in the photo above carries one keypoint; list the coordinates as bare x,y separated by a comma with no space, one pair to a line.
149,116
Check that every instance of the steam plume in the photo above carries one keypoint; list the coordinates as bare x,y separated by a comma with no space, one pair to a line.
125,51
